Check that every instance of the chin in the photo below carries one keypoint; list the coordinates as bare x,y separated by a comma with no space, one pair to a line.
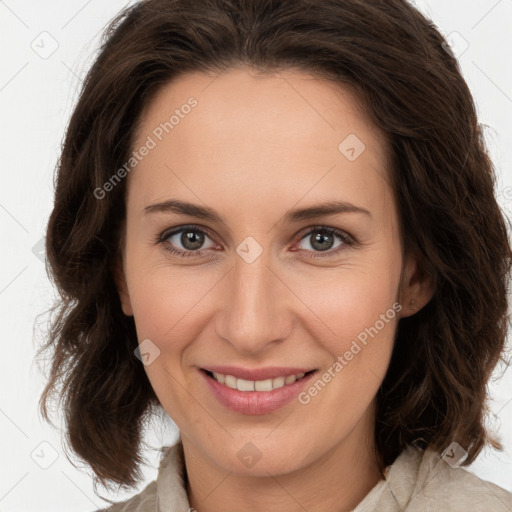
259,455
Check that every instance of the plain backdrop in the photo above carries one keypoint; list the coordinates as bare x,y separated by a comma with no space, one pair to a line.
46,48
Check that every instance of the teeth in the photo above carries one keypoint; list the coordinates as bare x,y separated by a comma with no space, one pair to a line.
278,382
290,379
221,378
263,385
230,381
244,385
258,385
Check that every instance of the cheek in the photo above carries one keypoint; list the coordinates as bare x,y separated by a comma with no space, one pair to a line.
361,323
166,300
355,302
166,310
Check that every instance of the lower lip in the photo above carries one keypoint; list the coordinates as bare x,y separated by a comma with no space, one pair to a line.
255,402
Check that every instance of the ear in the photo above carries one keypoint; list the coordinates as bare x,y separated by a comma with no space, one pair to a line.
122,288
417,287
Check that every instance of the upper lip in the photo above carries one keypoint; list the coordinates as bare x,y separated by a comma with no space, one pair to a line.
256,373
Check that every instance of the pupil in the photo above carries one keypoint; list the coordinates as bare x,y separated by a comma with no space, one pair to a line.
192,240
319,241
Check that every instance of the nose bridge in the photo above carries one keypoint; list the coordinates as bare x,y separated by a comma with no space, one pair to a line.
253,312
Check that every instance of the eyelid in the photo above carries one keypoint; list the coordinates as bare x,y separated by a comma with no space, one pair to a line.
348,241
177,229
166,234
324,227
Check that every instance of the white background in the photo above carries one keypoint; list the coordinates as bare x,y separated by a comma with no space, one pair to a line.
37,94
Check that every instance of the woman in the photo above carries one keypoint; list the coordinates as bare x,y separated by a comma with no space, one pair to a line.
275,220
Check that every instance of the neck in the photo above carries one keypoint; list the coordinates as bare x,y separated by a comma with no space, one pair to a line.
338,480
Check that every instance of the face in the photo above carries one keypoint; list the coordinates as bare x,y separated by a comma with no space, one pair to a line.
235,265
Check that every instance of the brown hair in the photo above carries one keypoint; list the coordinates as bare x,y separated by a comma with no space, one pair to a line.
435,389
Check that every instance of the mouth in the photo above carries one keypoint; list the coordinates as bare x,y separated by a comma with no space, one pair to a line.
246,385
268,390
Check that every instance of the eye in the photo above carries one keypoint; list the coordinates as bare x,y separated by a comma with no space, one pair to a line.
322,239
187,241
190,238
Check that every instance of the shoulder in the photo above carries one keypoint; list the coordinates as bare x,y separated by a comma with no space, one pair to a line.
167,491
145,500
423,480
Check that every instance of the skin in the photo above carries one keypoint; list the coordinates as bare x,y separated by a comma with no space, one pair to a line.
253,148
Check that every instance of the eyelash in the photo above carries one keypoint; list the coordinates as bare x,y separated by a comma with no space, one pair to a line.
345,238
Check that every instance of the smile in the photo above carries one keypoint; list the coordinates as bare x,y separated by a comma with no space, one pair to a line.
268,389
256,385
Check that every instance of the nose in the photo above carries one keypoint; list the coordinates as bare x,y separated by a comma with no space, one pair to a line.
255,306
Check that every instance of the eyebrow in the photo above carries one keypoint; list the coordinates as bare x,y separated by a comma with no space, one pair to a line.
206,213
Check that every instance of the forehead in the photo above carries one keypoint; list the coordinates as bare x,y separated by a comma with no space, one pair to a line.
287,130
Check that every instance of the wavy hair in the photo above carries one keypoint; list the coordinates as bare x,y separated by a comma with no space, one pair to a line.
412,88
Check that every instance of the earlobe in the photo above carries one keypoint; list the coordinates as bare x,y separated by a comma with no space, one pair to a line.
417,288
122,288
126,305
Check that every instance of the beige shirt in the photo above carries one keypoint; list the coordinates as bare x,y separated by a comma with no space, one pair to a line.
418,481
